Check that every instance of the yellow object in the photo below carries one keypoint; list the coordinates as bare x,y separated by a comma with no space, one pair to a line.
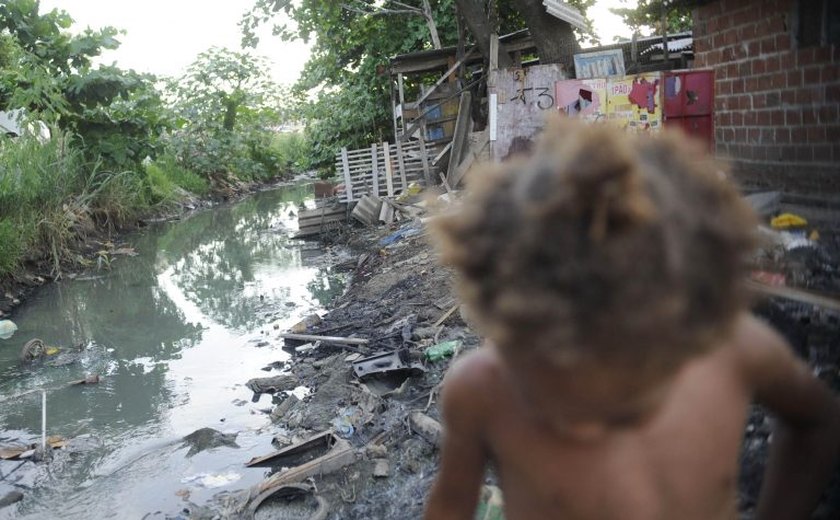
51,351
787,221
814,236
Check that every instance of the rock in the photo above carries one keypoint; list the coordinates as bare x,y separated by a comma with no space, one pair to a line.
283,408
381,468
426,427
305,324
10,498
208,438
274,384
377,451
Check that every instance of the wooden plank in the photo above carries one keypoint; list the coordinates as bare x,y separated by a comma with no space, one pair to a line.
494,51
374,169
443,151
326,339
389,174
446,74
348,183
401,164
425,161
460,135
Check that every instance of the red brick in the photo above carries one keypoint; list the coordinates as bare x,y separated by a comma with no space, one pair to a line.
835,153
742,17
725,119
754,135
798,134
782,135
759,66
830,73
737,118
740,135
786,60
789,97
756,83
747,32
759,153
788,153
804,153
778,80
822,54
793,117
805,56
822,153
832,133
811,75
783,42
804,96
816,134
794,78
773,99
777,117
759,101
832,93
750,118
809,116
768,45
763,118
829,115
772,64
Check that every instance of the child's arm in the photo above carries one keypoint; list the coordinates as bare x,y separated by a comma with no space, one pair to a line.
456,489
806,438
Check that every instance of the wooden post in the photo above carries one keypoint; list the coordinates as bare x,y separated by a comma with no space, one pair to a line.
494,51
374,169
389,172
424,158
394,110
460,136
401,165
348,182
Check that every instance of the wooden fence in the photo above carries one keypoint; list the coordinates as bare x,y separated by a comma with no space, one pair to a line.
384,169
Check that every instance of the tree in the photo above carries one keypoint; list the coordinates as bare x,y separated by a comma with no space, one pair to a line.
647,16
48,71
227,108
344,90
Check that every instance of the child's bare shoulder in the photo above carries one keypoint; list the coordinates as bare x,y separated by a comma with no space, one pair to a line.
472,380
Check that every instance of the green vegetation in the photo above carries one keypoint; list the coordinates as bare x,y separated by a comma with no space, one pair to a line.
646,17
121,146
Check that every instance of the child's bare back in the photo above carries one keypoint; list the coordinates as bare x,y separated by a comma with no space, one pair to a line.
619,427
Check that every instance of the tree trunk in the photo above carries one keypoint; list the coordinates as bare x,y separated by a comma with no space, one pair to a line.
555,39
475,16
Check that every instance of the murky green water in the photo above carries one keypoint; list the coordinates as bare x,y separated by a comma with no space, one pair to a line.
174,333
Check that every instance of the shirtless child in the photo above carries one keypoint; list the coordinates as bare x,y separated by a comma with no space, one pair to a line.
606,272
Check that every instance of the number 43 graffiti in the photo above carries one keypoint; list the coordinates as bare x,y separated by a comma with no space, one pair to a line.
544,99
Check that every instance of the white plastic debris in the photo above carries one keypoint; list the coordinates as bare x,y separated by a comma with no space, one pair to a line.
7,329
209,480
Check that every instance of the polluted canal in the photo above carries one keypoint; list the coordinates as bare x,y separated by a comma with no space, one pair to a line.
174,331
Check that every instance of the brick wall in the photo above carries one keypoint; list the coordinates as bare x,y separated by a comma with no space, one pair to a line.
777,106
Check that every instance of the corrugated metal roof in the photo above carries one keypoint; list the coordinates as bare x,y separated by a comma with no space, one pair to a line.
673,45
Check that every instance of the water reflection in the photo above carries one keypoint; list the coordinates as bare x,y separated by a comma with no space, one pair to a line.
170,332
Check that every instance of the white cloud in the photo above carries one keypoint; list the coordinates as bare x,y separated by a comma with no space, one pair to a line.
164,36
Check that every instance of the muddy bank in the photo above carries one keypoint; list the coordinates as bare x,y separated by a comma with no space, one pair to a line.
404,303
97,243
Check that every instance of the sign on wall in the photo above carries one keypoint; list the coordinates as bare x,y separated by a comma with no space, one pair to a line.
634,102
600,64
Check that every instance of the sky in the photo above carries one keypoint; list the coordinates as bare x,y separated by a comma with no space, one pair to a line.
164,36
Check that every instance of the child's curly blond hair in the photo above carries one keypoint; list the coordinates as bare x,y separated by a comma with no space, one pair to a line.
618,248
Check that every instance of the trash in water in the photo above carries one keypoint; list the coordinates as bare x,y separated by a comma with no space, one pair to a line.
207,438
209,480
787,221
299,501
405,232
7,329
442,350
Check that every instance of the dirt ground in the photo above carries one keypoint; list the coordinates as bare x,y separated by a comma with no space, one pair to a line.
397,295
